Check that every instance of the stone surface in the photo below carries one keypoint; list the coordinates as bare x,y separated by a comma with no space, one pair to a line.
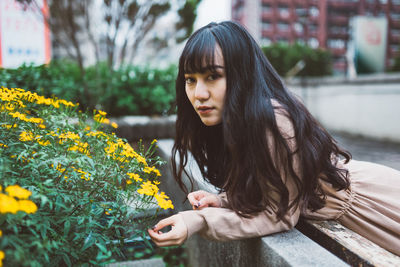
139,263
134,128
348,245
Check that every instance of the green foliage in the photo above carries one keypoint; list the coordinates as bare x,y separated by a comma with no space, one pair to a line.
90,186
396,65
284,57
187,14
129,90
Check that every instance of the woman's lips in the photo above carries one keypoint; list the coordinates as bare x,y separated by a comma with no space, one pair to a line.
204,109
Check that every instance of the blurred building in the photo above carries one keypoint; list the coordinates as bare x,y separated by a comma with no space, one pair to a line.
317,23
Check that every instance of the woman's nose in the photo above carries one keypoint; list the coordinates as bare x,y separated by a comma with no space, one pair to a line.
201,91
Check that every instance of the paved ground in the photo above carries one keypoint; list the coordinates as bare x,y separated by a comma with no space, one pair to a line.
371,150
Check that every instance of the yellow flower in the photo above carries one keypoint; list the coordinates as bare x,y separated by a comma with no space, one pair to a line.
1,233
26,136
1,257
114,125
147,188
134,176
43,143
27,206
17,191
69,135
163,201
87,128
154,141
8,204
102,113
97,134
152,169
3,145
106,212
9,126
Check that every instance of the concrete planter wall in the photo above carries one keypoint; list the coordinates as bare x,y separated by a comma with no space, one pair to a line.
366,106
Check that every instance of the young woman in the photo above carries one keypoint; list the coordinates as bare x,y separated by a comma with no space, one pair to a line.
270,158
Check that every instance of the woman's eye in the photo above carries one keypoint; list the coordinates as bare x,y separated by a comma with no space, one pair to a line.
213,77
189,80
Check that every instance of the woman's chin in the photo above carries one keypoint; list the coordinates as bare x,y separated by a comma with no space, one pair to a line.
210,122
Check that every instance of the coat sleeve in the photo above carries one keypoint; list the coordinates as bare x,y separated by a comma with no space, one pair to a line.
224,224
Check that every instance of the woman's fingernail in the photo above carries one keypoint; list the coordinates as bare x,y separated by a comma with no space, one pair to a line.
154,227
198,204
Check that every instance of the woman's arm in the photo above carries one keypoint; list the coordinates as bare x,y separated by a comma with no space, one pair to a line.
224,224
220,223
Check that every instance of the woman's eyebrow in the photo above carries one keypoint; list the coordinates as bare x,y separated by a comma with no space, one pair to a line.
205,69
211,67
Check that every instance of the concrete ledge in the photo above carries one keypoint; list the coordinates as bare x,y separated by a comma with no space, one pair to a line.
346,244
134,128
290,248
359,80
139,263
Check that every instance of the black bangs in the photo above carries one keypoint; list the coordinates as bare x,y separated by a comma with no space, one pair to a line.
199,53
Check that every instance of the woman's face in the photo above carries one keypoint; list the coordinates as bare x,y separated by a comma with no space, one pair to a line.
206,91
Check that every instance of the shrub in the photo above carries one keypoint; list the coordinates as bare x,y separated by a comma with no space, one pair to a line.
129,90
284,57
89,186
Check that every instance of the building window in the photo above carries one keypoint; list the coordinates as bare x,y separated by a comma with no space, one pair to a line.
395,16
337,30
302,12
313,27
266,7
284,11
314,11
395,47
282,26
266,25
313,42
298,27
336,43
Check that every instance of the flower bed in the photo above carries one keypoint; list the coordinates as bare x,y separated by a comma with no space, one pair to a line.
88,186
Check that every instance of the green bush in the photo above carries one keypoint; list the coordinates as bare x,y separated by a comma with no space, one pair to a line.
129,90
284,57
396,65
89,187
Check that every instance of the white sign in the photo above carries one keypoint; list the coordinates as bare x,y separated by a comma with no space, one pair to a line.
369,40
24,35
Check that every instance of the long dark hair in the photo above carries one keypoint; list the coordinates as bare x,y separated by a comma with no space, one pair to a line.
237,155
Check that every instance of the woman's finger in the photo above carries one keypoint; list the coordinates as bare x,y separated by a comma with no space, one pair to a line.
195,196
209,201
176,236
163,223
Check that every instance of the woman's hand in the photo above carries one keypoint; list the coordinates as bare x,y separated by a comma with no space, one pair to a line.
202,199
176,236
